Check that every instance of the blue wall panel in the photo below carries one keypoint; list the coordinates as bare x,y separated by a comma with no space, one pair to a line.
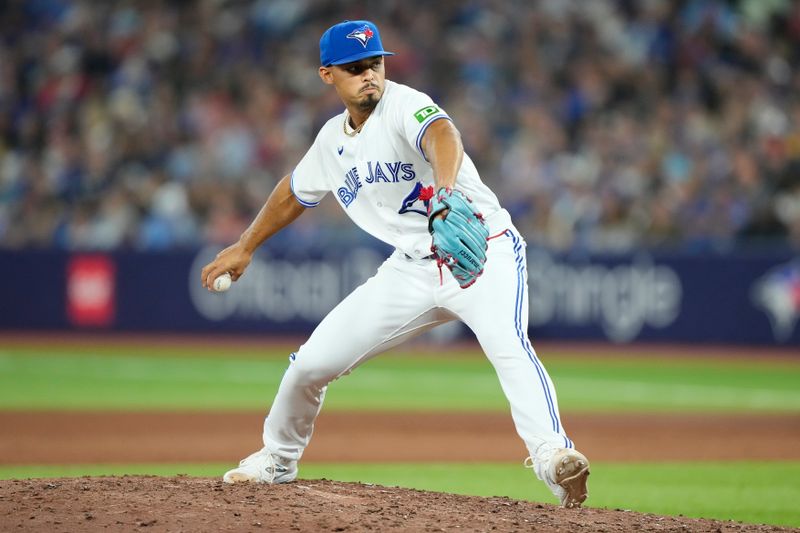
666,298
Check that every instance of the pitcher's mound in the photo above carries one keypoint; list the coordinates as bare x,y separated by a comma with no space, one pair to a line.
149,503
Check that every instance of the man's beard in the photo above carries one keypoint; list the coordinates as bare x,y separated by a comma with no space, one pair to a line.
370,102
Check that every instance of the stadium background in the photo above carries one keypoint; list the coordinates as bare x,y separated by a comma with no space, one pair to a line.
649,152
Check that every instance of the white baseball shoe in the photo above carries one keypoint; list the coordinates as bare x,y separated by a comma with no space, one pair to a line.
262,467
565,472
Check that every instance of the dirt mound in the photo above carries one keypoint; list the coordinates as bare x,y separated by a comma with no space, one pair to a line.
148,503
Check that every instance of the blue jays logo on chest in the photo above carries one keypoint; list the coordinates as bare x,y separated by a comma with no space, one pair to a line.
352,183
381,172
418,200
376,172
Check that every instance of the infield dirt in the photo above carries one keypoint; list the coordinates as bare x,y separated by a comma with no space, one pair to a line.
197,504
146,503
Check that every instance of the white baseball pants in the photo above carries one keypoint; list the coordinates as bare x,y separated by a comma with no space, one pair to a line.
403,299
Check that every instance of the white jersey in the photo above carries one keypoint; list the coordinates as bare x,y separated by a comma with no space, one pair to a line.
377,175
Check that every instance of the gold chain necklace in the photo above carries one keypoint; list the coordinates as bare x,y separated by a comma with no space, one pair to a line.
355,130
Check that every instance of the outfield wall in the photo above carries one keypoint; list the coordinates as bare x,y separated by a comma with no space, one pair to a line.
752,299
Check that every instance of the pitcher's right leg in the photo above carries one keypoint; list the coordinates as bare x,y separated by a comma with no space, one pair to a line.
392,306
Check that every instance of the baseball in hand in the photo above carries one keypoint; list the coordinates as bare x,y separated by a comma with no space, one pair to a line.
222,283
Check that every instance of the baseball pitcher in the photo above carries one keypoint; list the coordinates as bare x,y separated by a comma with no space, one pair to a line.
395,163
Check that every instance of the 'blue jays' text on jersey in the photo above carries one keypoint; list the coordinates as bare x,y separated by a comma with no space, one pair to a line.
377,175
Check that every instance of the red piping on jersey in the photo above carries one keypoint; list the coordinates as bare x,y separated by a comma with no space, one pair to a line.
441,262
495,236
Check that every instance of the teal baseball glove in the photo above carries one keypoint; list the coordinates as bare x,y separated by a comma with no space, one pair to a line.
459,238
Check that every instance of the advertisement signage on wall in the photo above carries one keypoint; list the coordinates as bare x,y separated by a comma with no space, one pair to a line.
620,298
280,290
640,297
91,290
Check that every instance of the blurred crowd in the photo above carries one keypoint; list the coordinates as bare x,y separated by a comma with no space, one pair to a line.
602,125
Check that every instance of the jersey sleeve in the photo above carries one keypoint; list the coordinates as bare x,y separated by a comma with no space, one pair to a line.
308,178
416,112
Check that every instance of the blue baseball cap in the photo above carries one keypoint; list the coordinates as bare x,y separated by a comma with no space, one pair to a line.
348,41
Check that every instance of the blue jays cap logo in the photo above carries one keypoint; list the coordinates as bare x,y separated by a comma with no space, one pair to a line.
340,43
362,35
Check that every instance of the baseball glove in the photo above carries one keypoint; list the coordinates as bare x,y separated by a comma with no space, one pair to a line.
459,238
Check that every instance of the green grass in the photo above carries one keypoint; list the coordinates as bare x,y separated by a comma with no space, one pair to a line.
754,492
201,378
